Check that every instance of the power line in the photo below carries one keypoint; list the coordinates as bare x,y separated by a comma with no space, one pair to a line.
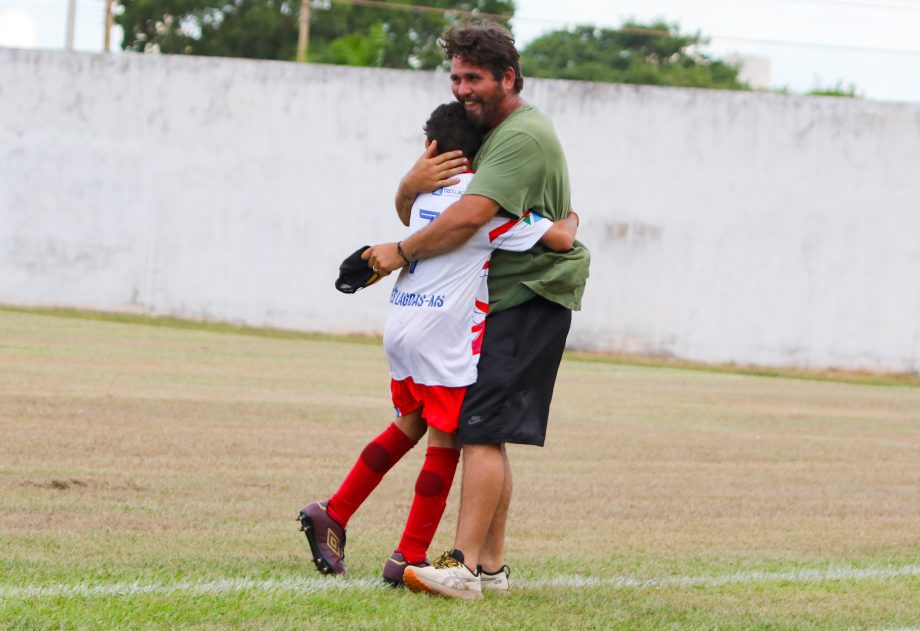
795,44
735,38
417,8
645,31
82,17
857,4
771,42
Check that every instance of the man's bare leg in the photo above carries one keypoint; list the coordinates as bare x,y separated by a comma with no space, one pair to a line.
492,553
481,490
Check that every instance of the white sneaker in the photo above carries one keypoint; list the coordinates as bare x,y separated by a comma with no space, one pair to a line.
447,577
497,582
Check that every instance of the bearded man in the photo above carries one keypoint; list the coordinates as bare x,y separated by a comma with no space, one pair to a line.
520,167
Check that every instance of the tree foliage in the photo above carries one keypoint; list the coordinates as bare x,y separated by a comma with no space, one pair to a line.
849,91
262,29
267,29
399,39
628,55
351,34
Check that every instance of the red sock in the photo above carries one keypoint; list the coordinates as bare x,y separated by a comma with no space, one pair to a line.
376,459
431,490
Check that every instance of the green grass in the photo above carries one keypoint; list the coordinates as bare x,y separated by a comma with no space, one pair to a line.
162,454
778,605
196,325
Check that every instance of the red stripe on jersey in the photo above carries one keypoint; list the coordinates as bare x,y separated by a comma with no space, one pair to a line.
482,306
485,265
502,229
480,331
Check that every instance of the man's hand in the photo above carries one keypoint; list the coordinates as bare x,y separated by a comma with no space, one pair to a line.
430,172
383,258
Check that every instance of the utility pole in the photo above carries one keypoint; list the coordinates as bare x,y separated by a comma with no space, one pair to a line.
108,25
303,39
71,21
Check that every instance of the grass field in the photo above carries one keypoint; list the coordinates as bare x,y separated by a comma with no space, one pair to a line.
150,477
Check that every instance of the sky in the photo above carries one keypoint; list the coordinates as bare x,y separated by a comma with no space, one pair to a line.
871,44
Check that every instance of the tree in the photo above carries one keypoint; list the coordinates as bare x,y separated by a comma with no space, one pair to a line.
648,54
267,29
398,38
849,91
263,29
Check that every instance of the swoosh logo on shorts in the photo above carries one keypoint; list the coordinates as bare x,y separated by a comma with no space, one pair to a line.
475,419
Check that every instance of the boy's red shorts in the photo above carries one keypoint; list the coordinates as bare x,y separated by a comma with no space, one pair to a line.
440,405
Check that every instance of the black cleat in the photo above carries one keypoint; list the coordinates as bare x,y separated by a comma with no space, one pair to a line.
325,536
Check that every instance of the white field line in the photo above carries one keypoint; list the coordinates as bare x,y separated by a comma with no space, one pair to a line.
314,585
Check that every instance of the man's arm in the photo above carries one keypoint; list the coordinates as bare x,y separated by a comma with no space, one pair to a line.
451,229
430,172
561,235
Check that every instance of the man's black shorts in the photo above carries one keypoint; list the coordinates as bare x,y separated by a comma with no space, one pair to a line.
521,351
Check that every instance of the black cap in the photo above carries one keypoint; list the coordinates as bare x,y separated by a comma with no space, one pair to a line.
355,273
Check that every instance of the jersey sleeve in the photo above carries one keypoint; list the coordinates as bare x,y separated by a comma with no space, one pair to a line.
518,235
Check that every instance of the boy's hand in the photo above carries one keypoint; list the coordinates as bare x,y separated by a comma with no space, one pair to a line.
433,171
572,214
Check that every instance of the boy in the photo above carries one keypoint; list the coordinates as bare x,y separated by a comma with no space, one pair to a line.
432,341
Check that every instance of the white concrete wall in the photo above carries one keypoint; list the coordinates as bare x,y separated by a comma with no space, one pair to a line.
725,227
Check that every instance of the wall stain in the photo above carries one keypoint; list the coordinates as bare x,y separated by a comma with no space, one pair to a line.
631,231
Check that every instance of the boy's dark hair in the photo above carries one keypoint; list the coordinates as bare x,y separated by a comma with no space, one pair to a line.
449,125
488,45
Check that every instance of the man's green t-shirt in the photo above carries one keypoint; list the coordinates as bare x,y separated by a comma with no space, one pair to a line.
521,167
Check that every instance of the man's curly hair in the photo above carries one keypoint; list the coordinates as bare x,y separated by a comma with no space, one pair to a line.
488,45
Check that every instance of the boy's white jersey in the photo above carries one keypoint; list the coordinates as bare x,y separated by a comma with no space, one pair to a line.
438,305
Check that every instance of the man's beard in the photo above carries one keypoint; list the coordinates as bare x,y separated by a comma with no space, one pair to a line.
489,110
